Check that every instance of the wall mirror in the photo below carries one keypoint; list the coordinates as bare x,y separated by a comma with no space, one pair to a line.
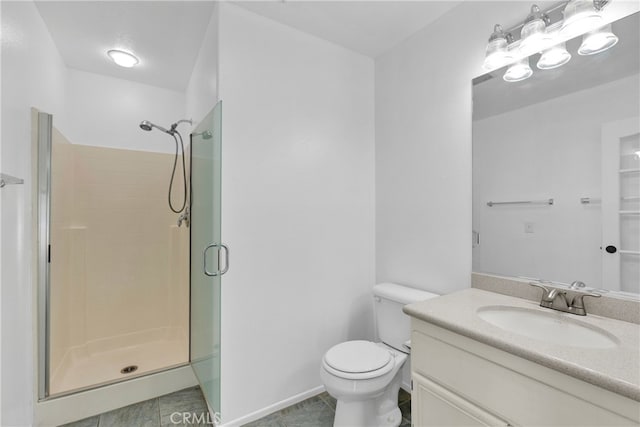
556,169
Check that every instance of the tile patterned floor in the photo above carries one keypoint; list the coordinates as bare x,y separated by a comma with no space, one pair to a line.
154,413
317,411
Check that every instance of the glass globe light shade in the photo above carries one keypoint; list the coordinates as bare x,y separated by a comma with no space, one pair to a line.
518,71
597,41
554,57
580,16
497,53
533,36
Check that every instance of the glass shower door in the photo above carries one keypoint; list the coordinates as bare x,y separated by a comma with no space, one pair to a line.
209,258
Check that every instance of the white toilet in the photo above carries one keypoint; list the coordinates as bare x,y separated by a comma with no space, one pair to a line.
364,376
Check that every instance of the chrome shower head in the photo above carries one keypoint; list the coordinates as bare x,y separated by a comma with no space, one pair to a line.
147,125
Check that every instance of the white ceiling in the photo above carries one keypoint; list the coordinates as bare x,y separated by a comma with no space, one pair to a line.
368,27
166,35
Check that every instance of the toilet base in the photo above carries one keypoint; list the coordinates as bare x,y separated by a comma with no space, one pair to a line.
378,411
364,414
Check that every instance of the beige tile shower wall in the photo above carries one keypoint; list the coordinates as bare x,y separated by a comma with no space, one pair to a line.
122,200
180,265
122,273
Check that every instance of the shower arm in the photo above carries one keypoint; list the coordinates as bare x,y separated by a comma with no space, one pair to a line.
175,125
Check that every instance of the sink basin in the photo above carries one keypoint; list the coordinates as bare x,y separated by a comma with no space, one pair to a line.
552,327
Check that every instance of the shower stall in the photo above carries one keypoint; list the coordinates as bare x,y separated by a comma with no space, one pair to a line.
130,259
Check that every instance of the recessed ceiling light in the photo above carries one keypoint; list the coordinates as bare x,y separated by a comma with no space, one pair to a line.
122,58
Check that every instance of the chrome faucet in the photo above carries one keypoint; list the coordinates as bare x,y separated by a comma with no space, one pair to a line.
556,299
549,297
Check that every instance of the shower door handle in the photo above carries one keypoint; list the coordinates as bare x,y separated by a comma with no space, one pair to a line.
226,258
226,264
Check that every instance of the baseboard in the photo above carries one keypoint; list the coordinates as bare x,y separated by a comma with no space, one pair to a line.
273,408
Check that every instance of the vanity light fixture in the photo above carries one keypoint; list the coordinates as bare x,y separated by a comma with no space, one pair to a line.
597,41
518,71
546,32
581,16
554,57
497,54
122,58
534,37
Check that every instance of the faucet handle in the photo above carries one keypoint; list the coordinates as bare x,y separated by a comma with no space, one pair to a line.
578,300
577,305
544,288
555,291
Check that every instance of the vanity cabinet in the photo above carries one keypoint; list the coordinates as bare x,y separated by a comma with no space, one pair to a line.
441,407
458,381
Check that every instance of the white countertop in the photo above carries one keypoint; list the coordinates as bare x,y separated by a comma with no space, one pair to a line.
616,369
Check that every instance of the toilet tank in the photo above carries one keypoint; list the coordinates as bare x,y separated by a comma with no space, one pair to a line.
393,326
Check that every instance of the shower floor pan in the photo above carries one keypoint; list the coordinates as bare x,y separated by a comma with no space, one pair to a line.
89,370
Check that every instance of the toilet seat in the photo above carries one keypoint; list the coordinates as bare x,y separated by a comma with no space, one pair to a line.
358,360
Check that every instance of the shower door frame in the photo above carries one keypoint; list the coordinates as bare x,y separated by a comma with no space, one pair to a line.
42,196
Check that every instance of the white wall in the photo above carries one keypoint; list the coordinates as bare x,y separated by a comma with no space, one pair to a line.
423,147
202,90
515,158
33,75
298,206
106,112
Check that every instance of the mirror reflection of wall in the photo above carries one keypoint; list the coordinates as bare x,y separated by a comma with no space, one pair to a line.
542,139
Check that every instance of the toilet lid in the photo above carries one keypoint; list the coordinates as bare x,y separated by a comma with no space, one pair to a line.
357,357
